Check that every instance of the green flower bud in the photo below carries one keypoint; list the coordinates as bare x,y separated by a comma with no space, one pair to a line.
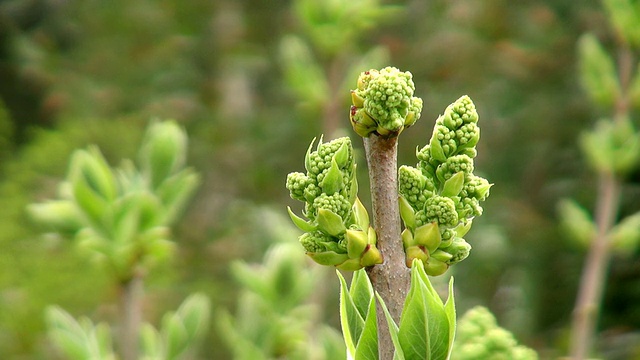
441,210
468,135
337,229
414,186
442,188
313,242
459,250
296,184
335,203
453,165
386,96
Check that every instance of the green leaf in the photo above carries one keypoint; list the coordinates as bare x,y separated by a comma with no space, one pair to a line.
328,258
361,292
625,17
342,155
407,213
367,347
300,222
435,147
332,182
175,335
307,157
61,215
576,222
163,151
463,228
303,73
361,215
597,71
424,327
350,320
194,313
66,333
625,236
453,185
152,347
357,241
393,330
353,190
330,222
174,193
428,235
450,311
634,89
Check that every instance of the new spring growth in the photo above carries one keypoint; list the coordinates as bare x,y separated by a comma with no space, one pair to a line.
337,230
479,338
440,196
383,103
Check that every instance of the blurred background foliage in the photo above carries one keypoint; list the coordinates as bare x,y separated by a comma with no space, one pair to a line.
74,73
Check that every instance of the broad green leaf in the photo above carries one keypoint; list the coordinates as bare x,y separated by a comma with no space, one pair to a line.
367,347
330,222
350,320
424,327
361,292
194,313
393,330
175,335
413,333
66,333
151,343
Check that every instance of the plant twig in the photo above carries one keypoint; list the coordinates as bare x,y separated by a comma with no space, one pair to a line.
392,278
594,273
131,316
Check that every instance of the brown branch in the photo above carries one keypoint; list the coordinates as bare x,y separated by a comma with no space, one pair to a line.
392,278
587,308
131,316
594,273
